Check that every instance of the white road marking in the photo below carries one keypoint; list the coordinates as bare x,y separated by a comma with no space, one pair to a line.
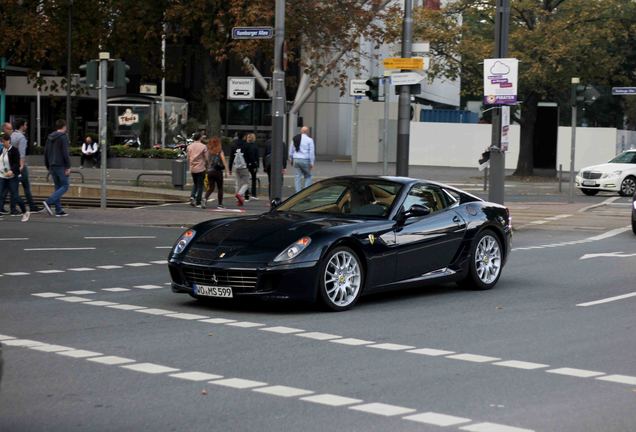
100,303
22,343
437,419
238,383
352,341
539,222
611,233
59,249
521,364
127,307
51,348
81,292
431,352
283,391
109,267
153,311
607,255
492,427
557,217
579,373
599,237
187,316
245,324
391,347
120,237
115,289
159,262
81,269
17,274
382,409
601,204
318,336
111,360
137,264
50,271
79,353
148,287
331,400
217,320
13,239
473,358
621,379
72,299
48,295
196,376
607,300
282,330
5,337
150,368
163,247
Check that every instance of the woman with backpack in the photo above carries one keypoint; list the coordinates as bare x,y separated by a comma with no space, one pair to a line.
216,171
238,163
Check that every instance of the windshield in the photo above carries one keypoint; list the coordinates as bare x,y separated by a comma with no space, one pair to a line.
627,157
354,197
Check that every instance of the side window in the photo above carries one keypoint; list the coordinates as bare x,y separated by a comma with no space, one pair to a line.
634,157
428,195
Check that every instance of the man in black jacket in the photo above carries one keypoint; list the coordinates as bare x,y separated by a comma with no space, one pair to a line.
58,162
9,171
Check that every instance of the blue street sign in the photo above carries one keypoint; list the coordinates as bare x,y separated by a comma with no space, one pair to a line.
252,32
619,91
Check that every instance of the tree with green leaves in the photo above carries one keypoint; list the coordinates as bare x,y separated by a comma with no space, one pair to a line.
554,40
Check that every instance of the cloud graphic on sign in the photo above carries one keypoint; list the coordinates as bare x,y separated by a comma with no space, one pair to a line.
499,68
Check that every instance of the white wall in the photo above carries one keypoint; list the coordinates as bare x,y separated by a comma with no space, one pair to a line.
593,146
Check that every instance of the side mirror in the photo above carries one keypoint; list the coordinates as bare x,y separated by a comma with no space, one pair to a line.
417,210
275,203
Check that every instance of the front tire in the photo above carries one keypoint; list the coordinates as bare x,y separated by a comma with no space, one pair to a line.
628,186
589,192
485,263
340,279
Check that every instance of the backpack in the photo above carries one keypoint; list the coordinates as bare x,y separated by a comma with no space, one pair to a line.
217,164
239,160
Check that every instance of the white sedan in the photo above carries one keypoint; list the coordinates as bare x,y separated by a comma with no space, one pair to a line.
618,175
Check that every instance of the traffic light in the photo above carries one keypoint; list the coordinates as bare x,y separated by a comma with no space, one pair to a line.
3,79
586,94
374,89
119,75
90,70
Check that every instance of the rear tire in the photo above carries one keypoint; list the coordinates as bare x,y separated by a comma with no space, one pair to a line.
589,192
485,263
340,279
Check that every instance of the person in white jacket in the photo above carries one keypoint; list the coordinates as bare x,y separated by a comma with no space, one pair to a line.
89,152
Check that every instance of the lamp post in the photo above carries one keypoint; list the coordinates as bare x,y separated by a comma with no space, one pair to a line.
68,65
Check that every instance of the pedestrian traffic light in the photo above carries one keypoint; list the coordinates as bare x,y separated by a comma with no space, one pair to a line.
3,79
119,78
374,89
586,94
90,74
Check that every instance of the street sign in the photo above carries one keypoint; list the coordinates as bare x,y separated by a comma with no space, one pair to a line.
252,32
406,78
148,89
358,87
621,91
240,87
500,81
412,63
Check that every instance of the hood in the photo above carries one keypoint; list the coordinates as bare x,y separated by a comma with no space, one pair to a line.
55,135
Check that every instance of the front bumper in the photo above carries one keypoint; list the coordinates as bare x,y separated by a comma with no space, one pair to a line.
612,184
296,281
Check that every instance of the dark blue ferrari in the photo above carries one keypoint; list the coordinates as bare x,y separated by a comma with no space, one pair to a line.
344,237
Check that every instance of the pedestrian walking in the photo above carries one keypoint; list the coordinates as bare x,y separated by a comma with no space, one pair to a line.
58,162
252,163
19,141
197,159
89,152
239,164
217,169
302,156
9,169
267,163
6,129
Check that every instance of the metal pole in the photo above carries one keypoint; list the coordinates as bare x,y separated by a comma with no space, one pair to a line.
485,179
404,104
575,82
497,157
354,133
38,119
385,135
560,178
278,104
68,67
163,87
103,147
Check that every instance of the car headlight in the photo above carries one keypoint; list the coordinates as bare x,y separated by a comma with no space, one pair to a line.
612,174
293,250
183,241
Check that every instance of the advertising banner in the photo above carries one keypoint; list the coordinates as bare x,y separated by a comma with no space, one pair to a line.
500,81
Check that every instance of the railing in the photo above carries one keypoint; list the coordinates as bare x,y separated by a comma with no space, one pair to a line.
48,176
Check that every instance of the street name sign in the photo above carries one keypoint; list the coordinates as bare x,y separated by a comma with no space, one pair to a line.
241,88
252,32
358,87
406,78
412,63
621,91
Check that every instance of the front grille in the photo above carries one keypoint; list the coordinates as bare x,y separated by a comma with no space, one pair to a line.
243,280
591,175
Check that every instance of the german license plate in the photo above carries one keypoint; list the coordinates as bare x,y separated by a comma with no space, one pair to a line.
589,183
213,291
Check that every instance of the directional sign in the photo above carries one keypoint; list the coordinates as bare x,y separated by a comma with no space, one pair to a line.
358,87
413,63
406,78
240,87
620,91
252,32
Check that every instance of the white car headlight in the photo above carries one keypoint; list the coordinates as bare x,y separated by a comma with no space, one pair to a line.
183,241
612,174
293,250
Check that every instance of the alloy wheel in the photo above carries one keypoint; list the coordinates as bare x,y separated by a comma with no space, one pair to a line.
342,278
488,259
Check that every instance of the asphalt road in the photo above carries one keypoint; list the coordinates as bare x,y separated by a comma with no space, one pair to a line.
95,341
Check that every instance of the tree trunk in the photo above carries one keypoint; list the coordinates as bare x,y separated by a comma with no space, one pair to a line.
525,164
213,86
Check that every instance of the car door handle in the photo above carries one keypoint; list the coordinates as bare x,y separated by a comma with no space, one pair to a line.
459,221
